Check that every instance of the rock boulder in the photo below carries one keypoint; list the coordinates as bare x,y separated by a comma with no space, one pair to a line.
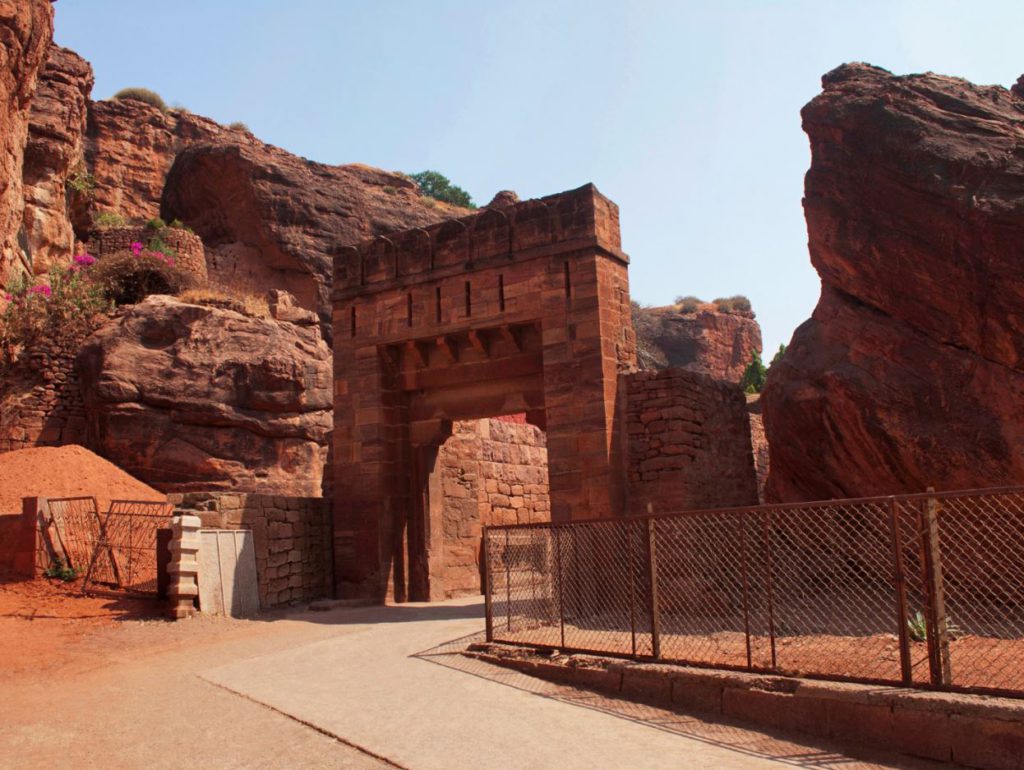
910,372
188,397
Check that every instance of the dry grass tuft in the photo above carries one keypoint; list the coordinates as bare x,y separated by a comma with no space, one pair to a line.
242,301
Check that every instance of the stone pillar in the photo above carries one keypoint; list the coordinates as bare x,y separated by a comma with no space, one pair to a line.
26,557
184,566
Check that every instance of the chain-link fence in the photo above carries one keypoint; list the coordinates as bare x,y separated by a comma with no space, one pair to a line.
116,547
923,590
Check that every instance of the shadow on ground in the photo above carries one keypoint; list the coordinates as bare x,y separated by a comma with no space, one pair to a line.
806,751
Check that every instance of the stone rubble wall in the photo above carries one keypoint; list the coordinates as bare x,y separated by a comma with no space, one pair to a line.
493,472
189,255
292,536
689,443
40,400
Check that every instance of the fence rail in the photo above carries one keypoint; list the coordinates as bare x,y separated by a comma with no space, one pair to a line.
922,590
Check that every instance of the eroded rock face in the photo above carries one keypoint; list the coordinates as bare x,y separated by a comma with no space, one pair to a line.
53,154
188,397
26,29
272,219
706,341
130,147
910,372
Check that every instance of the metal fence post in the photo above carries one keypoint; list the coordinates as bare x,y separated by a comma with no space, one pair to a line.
652,584
938,631
631,576
508,585
766,528
900,583
488,583
746,593
559,583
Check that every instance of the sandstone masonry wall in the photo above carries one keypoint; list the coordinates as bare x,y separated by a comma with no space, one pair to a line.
292,536
492,472
688,443
41,402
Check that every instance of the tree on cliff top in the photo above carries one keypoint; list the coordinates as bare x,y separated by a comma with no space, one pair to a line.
754,375
438,186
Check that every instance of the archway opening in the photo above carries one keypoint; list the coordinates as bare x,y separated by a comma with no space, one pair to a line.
487,472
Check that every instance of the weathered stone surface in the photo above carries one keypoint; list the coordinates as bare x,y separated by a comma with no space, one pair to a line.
272,219
910,372
706,341
189,397
129,148
54,152
26,29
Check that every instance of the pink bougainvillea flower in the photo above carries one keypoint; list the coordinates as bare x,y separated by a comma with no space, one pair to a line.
43,289
137,247
85,260
8,297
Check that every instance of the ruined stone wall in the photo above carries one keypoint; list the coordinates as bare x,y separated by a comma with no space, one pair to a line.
41,400
688,443
492,472
189,255
292,536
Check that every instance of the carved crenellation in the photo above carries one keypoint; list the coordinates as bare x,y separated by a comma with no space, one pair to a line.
516,233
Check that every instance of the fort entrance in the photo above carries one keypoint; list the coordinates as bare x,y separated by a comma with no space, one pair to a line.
518,310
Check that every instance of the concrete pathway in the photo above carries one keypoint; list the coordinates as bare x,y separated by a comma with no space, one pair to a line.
365,688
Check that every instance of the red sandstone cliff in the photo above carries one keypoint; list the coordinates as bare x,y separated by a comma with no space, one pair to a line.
271,218
910,372
54,154
130,147
706,340
26,28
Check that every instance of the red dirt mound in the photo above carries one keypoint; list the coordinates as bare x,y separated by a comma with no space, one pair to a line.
67,471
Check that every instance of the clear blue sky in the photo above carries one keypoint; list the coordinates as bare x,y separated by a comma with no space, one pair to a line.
684,113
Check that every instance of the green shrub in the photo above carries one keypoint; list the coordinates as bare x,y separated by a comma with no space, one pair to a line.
438,186
107,220
58,570
239,126
142,95
754,375
778,355
156,223
67,308
177,224
81,181
688,304
735,304
128,277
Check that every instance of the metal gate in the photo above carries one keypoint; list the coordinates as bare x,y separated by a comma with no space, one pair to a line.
115,548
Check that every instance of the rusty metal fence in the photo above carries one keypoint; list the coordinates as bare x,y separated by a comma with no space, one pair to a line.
116,547
921,590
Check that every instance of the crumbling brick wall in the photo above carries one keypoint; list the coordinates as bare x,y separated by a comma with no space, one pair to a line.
492,472
688,443
292,537
40,399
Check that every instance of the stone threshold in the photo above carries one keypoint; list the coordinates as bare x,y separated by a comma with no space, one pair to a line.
975,731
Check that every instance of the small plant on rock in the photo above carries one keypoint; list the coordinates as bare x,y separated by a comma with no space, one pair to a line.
688,304
735,304
107,220
81,181
239,126
142,95
754,375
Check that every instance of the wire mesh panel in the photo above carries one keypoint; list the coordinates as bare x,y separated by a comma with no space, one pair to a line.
978,568
125,552
923,590
74,523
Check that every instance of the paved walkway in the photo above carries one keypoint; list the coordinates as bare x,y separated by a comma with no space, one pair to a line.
369,690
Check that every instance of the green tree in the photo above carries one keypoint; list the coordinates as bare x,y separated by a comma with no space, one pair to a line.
778,355
438,186
754,375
